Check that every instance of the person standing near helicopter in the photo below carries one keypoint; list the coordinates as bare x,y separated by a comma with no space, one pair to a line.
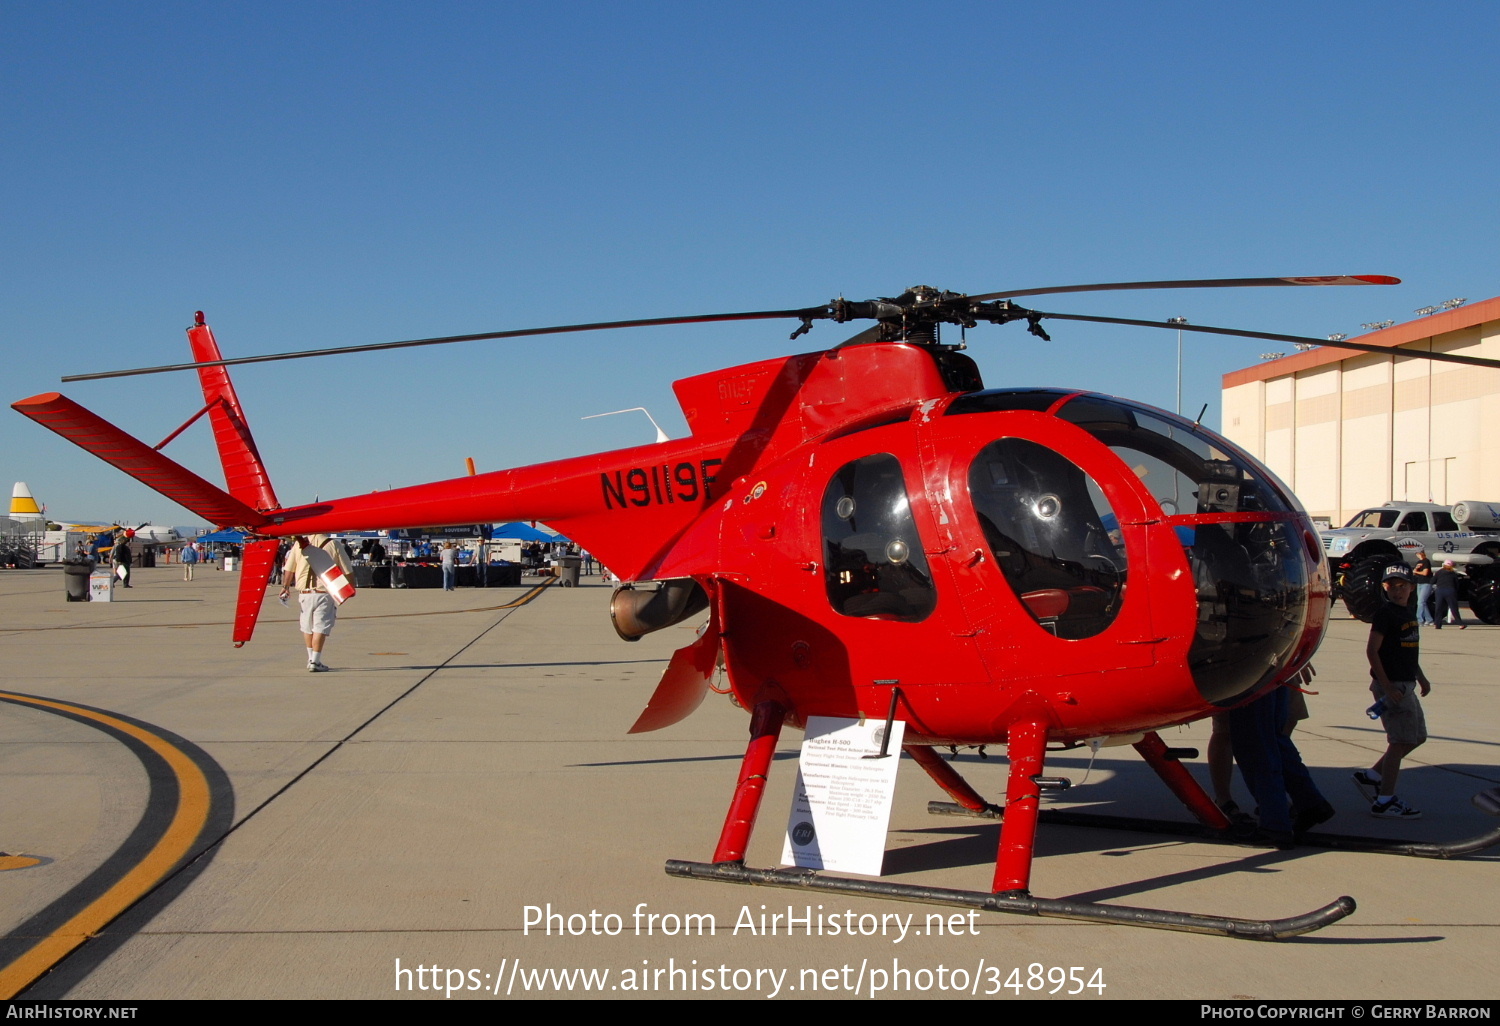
1396,675
1260,734
318,610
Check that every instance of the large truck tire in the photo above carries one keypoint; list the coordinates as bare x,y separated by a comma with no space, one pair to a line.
1363,594
1484,593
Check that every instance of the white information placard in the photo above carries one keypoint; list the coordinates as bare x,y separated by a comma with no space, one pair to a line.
842,804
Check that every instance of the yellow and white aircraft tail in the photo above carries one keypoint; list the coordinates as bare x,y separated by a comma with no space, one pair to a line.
23,507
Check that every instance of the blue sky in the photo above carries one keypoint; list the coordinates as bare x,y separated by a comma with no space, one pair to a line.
337,173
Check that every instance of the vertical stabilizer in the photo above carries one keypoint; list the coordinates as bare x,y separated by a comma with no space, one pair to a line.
22,506
244,473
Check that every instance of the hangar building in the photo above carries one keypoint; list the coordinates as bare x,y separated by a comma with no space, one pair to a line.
1348,430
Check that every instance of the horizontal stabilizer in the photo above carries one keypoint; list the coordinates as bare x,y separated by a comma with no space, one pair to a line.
136,458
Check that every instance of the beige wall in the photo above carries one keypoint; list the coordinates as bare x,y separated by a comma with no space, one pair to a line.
1373,427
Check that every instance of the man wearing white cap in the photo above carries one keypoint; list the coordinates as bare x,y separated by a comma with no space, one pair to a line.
318,609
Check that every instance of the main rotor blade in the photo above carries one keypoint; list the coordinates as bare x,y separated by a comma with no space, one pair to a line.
1200,283
1472,361
754,315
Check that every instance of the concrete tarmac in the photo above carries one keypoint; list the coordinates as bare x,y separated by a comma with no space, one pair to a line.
402,826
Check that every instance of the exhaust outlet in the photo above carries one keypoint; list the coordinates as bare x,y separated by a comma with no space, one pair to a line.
636,613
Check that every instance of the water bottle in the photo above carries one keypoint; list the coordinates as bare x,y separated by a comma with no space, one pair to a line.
1377,710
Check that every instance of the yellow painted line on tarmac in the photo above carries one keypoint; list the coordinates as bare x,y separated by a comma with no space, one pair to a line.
18,862
193,805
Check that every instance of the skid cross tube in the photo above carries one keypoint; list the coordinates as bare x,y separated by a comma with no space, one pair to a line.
1181,783
946,777
1021,903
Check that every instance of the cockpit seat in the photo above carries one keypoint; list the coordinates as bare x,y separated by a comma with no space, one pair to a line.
1049,605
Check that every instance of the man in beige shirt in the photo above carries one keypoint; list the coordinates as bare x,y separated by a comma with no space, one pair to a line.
318,610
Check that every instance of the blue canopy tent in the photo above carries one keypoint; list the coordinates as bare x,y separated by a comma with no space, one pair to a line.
524,532
226,537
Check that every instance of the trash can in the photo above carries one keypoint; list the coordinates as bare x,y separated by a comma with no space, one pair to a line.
76,578
231,564
102,584
568,568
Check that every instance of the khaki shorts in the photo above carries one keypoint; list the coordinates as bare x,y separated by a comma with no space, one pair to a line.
1404,722
318,612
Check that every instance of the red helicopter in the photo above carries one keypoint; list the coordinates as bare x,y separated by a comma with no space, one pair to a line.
875,534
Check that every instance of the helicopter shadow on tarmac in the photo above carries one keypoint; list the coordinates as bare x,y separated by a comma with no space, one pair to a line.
1123,787
951,847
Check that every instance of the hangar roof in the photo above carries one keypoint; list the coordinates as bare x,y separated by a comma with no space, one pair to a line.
1394,336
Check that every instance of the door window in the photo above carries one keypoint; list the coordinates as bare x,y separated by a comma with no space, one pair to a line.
873,558
1052,533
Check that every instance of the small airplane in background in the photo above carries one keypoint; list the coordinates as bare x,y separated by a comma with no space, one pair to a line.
60,536
23,507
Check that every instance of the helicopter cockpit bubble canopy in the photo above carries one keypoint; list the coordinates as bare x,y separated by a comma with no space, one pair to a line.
1242,533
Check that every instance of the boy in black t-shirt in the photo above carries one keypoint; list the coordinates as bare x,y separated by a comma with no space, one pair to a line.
1396,673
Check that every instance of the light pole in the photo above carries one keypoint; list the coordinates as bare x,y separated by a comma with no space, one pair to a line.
1178,321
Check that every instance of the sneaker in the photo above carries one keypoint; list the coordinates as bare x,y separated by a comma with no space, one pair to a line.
1305,819
1394,809
317,667
1242,828
1368,785
1281,840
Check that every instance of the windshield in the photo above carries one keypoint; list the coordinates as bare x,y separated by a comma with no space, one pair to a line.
1374,518
1186,470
